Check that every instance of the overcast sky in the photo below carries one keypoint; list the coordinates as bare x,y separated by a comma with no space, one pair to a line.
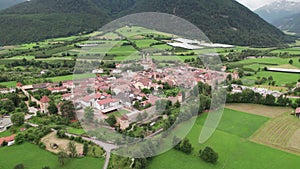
255,4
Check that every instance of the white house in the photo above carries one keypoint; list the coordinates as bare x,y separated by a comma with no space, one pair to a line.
108,103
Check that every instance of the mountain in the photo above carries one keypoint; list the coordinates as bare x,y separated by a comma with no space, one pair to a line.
278,10
289,23
224,21
8,3
284,14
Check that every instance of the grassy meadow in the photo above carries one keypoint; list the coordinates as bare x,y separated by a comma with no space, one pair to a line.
231,141
38,158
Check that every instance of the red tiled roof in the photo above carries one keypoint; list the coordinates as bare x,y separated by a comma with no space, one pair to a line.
107,101
88,98
145,81
45,99
7,139
19,84
98,95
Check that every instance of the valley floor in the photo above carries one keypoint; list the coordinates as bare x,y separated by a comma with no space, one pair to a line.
233,142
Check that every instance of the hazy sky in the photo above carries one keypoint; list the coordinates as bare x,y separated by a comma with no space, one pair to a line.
254,4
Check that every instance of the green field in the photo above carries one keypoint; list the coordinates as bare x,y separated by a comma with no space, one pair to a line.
294,51
75,131
144,43
5,133
231,142
71,77
38,158
274,62
9,84
280,78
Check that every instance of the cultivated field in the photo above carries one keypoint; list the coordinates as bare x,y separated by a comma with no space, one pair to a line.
262,110
281,132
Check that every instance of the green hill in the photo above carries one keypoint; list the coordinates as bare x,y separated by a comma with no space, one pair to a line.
223,21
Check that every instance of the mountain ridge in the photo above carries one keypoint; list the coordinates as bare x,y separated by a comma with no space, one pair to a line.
278,10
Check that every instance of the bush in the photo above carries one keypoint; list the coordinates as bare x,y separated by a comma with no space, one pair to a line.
17,119
19,166
209,155
4,143
19,139
184,146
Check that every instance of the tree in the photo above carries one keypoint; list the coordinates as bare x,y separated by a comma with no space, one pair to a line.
111,120
17,119
94,151
19,139
270,78
52,108
177,104
176,143
62,156
186,146
19,166
229,88
72,149
270,100
209,155
85,149
291,62
89,114
229,77
137,105
68,110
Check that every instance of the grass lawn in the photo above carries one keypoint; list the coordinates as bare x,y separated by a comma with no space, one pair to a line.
231,142
75,131
9,84
119,113
38,158
5,133
71,77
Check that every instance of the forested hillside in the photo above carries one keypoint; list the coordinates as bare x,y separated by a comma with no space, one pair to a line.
223,21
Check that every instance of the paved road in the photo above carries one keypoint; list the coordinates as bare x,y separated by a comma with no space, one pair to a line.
6,122
106,146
